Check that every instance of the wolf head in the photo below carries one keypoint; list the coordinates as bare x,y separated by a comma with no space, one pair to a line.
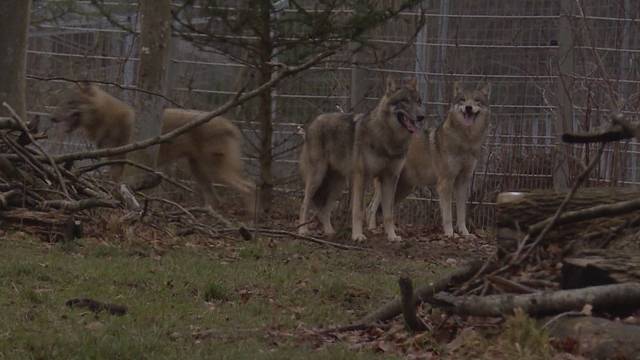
404,103
77,103
470,107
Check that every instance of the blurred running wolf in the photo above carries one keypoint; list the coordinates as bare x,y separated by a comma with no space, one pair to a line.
213,149
339,147
446,157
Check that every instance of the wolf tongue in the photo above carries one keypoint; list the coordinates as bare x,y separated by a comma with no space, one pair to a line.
409,124
468,118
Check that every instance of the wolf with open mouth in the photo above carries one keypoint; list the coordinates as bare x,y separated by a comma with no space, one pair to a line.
446,157
342,147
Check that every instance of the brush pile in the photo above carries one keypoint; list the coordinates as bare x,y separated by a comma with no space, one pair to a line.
50,197
570,259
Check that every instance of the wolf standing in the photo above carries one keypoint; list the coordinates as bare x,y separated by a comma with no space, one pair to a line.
341,146
446,157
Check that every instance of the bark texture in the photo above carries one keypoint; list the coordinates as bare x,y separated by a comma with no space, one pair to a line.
14,24
155,40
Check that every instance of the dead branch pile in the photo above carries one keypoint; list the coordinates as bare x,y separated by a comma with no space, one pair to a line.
557,253
52,198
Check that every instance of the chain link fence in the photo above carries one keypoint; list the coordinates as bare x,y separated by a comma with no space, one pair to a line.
541,57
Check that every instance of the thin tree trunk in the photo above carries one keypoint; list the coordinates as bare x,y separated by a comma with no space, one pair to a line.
265,72
152,73
14,25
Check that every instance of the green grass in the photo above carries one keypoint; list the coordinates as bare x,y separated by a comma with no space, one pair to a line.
233,302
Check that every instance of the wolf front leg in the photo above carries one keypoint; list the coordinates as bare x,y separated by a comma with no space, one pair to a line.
445,189
462,194
374,205
357,205
388,186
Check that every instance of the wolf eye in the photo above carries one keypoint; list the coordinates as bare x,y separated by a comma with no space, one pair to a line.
462,99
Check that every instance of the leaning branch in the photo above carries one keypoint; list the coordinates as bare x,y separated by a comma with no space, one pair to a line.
619,208
202,119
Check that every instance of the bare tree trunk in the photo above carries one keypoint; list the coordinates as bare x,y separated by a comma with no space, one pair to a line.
152,73
564,120
14,25
265,72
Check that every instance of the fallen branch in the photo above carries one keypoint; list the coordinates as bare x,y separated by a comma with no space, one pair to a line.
5,197
608,298
164,177
597,211
424,294
307,238
79,205
27,132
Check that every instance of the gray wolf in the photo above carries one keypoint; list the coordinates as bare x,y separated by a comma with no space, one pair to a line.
446,156
339,147
212,150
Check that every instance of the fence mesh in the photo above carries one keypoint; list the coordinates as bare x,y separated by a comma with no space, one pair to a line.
517,45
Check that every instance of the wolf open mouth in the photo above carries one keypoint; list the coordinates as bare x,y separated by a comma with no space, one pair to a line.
469,118
406,121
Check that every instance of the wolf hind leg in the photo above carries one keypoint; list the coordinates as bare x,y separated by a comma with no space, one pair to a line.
333,185
203,179
388,187
357,205
313,178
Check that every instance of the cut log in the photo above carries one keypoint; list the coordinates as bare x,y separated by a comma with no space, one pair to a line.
598,338
618,298
516,215
600,267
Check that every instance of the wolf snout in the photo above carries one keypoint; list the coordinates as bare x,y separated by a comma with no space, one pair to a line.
468,109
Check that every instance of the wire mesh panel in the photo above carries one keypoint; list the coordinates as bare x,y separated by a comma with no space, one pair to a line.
515,45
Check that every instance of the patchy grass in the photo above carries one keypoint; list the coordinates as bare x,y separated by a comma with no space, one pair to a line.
244,300
521,338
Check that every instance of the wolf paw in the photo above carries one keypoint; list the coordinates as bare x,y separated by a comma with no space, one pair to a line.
358,237
469,236
329,233
394,238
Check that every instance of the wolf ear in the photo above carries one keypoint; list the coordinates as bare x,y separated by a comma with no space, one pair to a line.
86,88
485,89
391,85
457,88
